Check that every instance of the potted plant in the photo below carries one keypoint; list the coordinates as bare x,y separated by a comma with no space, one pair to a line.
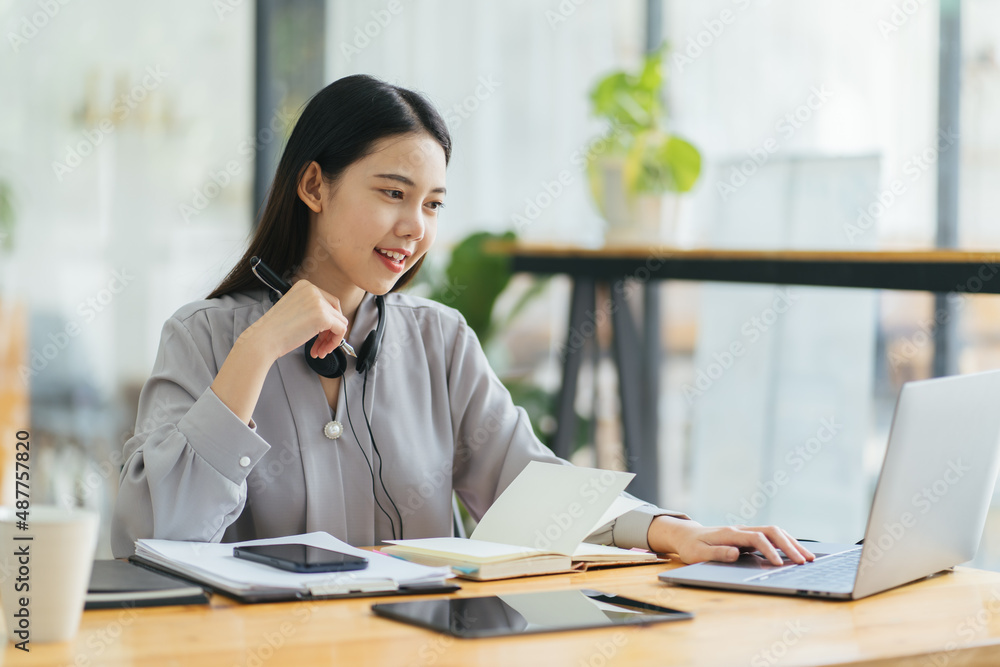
638,169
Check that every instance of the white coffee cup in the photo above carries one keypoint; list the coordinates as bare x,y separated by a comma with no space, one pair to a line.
44,571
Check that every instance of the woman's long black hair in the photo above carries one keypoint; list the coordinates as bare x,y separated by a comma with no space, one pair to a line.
338,127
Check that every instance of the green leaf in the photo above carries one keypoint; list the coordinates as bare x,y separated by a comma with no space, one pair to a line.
633,169
651,78
684,163
602,96
629,99
621,101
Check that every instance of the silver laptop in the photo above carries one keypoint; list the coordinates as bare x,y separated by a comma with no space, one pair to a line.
929,508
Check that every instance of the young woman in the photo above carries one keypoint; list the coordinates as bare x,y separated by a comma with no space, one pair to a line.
237,437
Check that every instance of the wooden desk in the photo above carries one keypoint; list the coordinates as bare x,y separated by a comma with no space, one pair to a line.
952,619
638,356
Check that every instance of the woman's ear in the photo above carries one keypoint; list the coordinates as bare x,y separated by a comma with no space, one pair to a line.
310,188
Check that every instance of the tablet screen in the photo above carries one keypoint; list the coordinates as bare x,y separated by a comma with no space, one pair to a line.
524,613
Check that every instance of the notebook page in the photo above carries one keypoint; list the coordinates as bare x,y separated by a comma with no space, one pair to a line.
551,507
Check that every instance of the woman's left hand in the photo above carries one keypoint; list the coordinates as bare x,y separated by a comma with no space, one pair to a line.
695,543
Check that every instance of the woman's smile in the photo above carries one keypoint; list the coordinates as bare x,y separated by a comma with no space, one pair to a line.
393,258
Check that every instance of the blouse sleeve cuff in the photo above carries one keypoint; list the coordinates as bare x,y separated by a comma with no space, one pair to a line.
221,438
629,530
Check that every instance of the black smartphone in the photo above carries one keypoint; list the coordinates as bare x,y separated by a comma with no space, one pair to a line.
301,558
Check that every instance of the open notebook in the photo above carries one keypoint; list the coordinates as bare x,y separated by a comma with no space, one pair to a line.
536,526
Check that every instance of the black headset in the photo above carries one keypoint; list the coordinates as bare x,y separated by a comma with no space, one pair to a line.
334,365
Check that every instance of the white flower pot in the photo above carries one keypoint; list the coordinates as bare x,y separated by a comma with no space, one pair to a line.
635,219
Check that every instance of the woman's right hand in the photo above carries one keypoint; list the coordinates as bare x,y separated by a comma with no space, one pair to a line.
303,312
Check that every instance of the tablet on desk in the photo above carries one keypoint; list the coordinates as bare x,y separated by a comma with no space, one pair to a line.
525,613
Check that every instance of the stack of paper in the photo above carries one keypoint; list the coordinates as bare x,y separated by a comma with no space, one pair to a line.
214,564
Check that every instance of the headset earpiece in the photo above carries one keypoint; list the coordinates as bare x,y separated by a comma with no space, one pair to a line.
332,365
365,353
370,348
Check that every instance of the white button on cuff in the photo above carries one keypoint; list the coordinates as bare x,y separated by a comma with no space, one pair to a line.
244,461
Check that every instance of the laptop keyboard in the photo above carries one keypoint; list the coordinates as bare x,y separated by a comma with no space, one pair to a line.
835,572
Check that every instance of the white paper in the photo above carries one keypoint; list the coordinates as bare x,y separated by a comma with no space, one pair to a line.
215,563
551,507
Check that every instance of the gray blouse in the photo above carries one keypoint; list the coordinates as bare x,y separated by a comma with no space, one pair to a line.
441,419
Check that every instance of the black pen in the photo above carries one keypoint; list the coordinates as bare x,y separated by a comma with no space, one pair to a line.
276,283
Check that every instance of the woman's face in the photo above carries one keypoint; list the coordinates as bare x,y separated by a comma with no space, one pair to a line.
379,217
